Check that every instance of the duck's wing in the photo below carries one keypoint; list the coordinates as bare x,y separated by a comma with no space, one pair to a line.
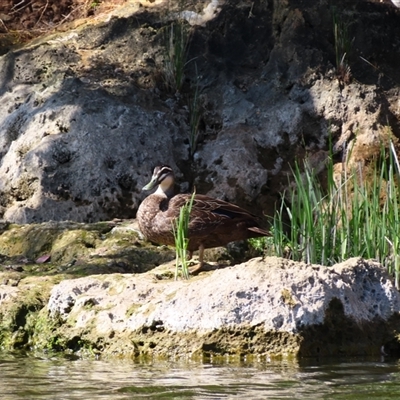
208,212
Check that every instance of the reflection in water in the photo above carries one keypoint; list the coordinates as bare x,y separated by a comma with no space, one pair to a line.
41,378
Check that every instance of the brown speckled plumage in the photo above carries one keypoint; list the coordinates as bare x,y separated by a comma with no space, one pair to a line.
212,222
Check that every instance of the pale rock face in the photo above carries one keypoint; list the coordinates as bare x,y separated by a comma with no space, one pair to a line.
83,120
396,3
276,295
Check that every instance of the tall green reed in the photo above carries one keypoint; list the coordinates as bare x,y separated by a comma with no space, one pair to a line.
180,229
177,36
356,214
194,116
343,46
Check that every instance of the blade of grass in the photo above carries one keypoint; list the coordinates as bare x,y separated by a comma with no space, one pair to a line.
180,229
357,214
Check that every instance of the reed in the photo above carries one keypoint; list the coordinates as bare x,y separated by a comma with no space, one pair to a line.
181,235
357,215
176,39
194,116
343,46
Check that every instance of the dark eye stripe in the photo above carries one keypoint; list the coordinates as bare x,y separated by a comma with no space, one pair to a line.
163,173
160,178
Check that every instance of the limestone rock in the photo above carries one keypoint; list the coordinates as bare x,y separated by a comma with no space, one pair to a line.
275,297
86,114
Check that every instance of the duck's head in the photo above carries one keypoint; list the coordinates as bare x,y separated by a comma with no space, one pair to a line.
163,176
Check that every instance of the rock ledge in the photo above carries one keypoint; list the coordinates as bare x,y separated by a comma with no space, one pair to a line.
264,306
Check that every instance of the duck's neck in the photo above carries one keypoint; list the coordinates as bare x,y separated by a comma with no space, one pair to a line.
165,192
166,187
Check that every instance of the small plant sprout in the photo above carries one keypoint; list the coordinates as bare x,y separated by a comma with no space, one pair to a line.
194,116
181,235
177,37
343,47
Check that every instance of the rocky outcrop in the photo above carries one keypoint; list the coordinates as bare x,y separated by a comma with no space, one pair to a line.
245,309
101,289
87,113
264,307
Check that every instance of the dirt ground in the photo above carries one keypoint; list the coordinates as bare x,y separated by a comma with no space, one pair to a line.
34,17
23,20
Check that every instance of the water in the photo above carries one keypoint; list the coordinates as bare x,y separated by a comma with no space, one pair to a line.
63,379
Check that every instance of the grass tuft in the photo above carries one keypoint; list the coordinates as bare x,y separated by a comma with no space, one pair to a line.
194,116
343,47
356,215
180,229
177,36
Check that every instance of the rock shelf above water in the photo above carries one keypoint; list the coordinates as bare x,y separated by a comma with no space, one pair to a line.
263,307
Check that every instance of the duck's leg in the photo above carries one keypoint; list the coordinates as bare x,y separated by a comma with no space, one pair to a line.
199,267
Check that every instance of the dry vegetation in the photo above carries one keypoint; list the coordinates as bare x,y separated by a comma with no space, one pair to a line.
21,20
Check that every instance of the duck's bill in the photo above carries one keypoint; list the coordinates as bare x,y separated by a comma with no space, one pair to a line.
151,185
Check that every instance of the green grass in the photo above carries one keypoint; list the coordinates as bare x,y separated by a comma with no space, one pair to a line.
343,46
194,116
180,231
355,215
176,39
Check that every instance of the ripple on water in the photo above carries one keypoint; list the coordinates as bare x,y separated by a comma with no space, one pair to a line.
48,378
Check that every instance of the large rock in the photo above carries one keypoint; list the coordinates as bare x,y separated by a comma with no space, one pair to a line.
85,114
264,307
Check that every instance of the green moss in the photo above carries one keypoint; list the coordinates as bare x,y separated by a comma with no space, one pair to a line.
45,334
19,314
79,249
30,241
73,244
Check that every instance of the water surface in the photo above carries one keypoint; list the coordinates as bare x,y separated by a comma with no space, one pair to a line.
25,377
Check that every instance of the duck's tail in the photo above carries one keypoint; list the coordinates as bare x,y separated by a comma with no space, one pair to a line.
260,231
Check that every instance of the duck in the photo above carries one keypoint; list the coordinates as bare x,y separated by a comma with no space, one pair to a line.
212,222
